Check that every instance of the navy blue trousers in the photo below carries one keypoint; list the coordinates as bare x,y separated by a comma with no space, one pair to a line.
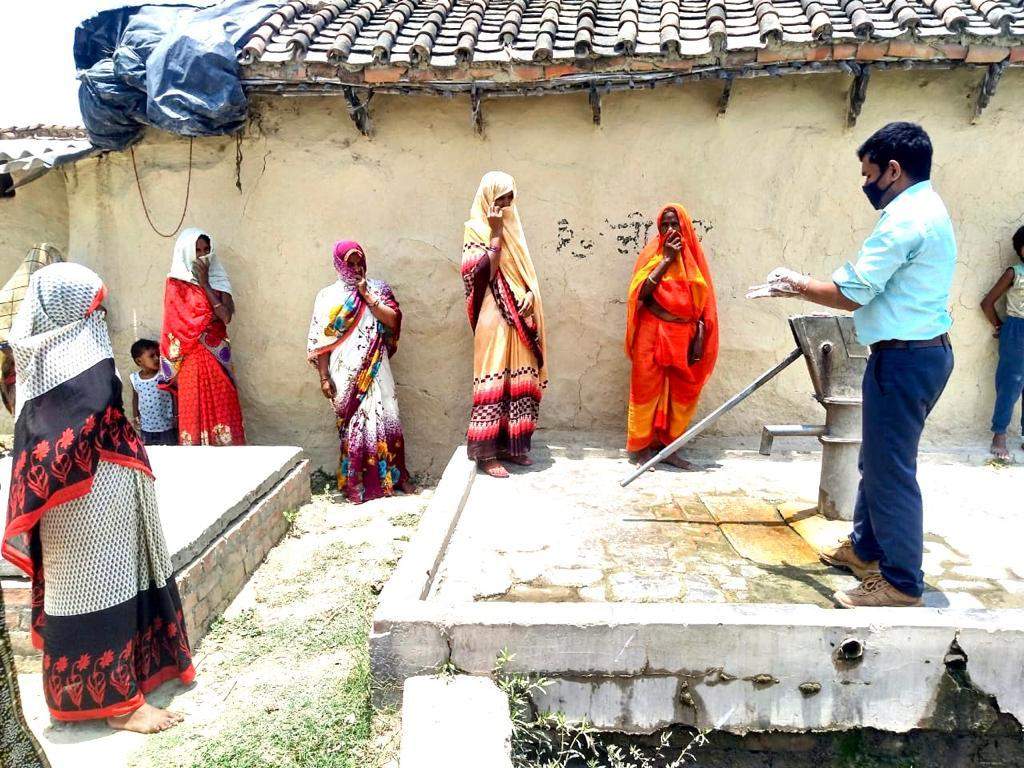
1009,374
901,386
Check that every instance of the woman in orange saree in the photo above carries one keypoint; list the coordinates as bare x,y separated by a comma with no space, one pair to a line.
671,336
195,352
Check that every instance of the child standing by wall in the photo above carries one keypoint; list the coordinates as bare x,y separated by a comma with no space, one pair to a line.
1010,371
155,416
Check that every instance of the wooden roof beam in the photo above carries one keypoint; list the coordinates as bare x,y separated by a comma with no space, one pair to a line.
723,100
359,110
595,103
858,94
987,88
476,111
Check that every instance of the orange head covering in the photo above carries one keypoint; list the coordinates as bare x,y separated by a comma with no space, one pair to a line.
685,290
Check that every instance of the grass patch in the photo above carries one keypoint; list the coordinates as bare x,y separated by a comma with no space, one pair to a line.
294,637
313,721
327,727
294,593
406,520
289,688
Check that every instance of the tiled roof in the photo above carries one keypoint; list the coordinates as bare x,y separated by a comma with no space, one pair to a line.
42,131
31,151
450,34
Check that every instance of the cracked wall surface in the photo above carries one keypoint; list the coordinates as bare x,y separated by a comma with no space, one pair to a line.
760,668
773,181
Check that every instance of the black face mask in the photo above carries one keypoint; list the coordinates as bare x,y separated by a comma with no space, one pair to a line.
875,193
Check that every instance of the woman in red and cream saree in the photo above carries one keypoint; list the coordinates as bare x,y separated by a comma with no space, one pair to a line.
507,317
82,518
195,352
671,335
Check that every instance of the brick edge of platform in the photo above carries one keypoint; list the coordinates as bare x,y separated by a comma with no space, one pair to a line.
234,555
214,578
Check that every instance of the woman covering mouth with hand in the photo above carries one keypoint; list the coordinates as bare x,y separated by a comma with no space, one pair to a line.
507,317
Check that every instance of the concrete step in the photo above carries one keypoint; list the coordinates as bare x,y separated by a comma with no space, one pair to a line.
455,721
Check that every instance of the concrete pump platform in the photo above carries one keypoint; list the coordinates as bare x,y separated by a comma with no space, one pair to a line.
698,598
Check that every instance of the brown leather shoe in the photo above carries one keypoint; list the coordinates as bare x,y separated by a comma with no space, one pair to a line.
844,557
875,592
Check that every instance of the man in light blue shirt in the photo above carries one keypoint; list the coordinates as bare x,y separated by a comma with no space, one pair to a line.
898,289
903,273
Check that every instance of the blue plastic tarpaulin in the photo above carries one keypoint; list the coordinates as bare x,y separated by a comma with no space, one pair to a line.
173,66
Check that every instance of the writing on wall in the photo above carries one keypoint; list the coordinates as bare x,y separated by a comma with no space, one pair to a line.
627,235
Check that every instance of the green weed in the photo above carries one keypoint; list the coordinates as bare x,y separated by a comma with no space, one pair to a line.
551,740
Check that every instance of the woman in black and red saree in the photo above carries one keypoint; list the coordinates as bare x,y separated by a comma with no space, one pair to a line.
83,514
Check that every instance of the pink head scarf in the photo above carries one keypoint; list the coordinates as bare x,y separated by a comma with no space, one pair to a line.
346,273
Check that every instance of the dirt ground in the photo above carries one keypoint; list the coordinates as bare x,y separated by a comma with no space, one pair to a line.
283,679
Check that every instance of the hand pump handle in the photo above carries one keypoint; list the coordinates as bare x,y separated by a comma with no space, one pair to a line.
712,417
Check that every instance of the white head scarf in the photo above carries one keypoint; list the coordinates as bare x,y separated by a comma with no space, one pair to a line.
57,334
185,256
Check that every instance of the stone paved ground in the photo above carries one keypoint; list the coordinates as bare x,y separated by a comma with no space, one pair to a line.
564,530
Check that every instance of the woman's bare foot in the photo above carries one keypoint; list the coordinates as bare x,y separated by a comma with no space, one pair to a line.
146,719
642,457
407,486
522,461
999,449
675,460
492,468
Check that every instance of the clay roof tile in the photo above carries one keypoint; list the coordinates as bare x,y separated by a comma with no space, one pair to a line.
459,33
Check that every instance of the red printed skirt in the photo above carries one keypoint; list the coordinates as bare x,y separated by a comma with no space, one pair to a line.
208,409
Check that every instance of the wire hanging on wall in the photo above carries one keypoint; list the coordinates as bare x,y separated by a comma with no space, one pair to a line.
142,198
238,161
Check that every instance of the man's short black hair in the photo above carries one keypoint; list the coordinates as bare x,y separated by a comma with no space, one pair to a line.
142,345
906,143
1018,243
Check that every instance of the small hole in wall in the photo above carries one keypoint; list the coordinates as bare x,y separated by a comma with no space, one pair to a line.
6,185
849,653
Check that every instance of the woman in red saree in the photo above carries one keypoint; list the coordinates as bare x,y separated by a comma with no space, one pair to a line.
195,353
671,336
82,516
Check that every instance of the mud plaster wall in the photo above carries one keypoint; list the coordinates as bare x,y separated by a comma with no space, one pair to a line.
773,181
37,213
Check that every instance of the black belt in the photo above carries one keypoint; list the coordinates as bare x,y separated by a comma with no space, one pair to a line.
938,341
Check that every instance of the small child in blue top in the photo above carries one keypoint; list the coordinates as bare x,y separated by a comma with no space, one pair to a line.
155,416
1010,371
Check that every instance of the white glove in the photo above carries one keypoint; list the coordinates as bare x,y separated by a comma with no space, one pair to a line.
781,281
